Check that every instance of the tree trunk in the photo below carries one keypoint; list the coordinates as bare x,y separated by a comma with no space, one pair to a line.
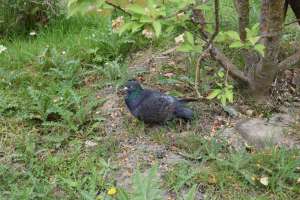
272,18
259,71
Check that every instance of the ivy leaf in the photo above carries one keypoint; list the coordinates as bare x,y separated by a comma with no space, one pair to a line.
253,40
157,27
223,100
186,48
125,27
146,19
233,35
136,26
214,94
260,48
229,95
136,9
189,37
255,28
197,49
236,44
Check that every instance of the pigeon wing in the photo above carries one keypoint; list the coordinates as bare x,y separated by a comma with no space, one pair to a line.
157,108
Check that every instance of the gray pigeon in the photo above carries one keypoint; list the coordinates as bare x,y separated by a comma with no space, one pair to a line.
155,107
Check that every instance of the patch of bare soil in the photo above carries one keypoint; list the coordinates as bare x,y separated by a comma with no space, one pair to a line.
141,153
111,110
240,126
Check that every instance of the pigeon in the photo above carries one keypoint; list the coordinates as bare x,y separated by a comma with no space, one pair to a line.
154,107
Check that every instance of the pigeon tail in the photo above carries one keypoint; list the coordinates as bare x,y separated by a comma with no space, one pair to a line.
184,113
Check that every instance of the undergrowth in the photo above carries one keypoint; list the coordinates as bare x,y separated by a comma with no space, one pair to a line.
48,113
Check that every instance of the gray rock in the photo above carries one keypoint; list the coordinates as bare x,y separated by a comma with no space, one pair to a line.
231,111
259,133
281,120
234,138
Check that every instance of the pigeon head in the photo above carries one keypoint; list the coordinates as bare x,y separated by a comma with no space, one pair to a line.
132,86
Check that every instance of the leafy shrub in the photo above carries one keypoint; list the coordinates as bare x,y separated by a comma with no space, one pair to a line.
23,15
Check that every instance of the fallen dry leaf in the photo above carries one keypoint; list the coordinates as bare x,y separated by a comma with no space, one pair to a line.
179,39
89,143
264,181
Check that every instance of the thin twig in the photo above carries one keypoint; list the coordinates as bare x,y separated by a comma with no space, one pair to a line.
290,61
217,22
287,24
197,71
207,50
118,7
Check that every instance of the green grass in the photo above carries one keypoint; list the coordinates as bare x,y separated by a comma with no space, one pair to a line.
48,110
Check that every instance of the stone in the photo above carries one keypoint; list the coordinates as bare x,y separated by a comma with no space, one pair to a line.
281,120
249,112
259,133
233,138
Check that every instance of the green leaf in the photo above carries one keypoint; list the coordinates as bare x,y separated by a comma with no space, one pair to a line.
233,35
197,48
152,4
255,28
223,100
214,94
137,9
260,48
229,95
157,27
236,44
189,37
253,40
186,48
125,27
136,27
146,19
221,73
221,37
249,33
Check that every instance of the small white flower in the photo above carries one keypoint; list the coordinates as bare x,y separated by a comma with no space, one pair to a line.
2,48
63,52
32,33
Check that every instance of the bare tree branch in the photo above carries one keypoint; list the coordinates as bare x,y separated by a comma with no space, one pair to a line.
217,22
289,61
289,23
117,7
214,52
203,55
228,65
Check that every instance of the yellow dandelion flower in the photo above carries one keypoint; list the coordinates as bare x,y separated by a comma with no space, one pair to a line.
112,191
